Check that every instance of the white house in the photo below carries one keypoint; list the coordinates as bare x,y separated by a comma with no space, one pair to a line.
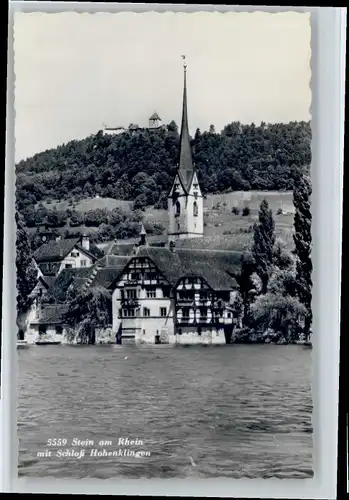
54,256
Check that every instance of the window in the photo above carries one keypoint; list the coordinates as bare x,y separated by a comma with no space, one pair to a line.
163,312
152,276
68,266
229,315
59,330
185,312
131,294
128,313
146,312
42,329
143,332
178,208
151,294
135,276
199,330
83,263
120,313
195,209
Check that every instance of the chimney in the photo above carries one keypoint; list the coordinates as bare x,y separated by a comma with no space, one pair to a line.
85,242
142,235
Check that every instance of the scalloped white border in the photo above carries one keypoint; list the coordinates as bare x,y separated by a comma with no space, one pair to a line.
327,82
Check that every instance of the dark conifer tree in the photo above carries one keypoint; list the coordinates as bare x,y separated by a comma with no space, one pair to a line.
302,240
26,272
263,244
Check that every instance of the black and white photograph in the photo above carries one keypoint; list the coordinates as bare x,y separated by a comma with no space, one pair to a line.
164,245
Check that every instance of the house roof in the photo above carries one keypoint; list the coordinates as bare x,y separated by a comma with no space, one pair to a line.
51,314
155,116
114,261
54,268
106,276
96,251
69,277
55,251
217,268
48,280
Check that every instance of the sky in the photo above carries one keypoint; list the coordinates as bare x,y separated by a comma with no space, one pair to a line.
76,72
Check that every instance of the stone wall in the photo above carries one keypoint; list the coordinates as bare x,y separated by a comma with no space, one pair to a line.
191,337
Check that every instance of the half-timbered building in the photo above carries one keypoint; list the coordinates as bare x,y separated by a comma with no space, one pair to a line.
174,296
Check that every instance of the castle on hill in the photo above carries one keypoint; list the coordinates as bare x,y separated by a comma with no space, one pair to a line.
154,123
171,294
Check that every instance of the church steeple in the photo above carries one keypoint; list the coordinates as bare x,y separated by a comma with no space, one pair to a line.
185,200
185,164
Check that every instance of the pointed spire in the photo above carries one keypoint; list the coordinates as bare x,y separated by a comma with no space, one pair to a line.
185,168
143,231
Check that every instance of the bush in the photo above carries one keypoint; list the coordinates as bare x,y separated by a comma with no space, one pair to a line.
235,210
246,211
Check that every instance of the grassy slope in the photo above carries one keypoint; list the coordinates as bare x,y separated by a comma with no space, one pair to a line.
217,220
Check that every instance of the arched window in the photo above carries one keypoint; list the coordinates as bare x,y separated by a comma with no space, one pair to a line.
195,209
178,208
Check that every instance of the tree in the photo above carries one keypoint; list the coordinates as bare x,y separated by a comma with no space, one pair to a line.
172,127
26,273
263,244
303,241
246,284
212,129
279,313
87,311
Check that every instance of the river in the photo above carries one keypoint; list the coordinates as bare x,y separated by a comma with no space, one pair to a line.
227,411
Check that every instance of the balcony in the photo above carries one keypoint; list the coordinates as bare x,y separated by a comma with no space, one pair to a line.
129,303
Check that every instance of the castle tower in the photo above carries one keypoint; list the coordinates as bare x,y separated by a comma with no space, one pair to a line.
185,200
155,121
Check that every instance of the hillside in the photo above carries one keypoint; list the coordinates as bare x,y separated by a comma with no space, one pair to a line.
223,228
140,166
107,185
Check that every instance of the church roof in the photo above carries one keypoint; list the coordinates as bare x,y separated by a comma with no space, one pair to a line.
155,116
185,163
217,268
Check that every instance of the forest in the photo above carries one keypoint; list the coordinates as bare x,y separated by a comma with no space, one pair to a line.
140,166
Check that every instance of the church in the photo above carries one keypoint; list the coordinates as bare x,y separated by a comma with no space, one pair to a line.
174,294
